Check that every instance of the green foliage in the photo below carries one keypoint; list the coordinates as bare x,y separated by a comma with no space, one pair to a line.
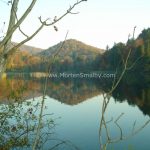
139,59
145,35
75,56
18,123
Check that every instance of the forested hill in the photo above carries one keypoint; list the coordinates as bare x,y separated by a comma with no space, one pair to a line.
71,47
71,55
24,56
29,49
75,56
139,58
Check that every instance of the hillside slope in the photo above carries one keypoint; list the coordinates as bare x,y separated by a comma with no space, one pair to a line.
72,55
30,49
69,47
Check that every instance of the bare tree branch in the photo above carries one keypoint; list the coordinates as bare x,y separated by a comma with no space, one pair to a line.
43,23
19,26
18,23
43,98
67,12
134,63
106,100
12,50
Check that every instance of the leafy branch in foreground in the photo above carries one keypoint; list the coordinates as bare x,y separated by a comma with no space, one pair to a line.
18,122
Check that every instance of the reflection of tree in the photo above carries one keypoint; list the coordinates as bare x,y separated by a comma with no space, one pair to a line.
72,92
104,127
135,95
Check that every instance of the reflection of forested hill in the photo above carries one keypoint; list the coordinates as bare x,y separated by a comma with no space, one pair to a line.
71,92
18,89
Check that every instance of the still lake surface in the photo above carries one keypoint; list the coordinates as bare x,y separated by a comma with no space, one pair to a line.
75,106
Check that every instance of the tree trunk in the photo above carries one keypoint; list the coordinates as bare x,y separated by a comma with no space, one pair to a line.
2,66
7,45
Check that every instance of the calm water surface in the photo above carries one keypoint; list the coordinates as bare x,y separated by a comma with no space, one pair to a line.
77,110
80,123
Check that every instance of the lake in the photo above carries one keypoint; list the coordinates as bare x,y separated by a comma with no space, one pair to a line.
71,115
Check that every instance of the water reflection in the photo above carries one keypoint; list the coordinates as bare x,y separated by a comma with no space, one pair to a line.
83,118
19,122
107,137
72,92
135,95
68,92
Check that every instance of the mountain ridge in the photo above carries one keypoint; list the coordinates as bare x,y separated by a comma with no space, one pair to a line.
70,51
30,49
70,44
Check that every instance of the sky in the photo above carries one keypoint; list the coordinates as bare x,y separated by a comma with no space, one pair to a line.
99,22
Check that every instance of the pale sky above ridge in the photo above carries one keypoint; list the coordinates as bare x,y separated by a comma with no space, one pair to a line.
100,22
